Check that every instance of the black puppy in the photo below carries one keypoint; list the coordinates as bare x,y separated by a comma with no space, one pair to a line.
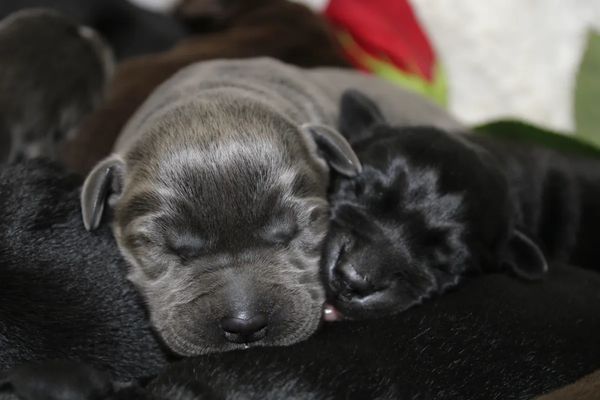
63,293
431,206
52,73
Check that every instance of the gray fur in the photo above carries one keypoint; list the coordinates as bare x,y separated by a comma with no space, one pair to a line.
230,158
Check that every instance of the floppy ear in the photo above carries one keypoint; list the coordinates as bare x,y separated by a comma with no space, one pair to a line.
334,149
524,258
358,115
105,180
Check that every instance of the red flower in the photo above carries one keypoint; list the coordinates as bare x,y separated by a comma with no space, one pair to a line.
387,30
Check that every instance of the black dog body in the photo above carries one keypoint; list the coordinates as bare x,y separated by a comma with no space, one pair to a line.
557,198
431,206
497,337
63,293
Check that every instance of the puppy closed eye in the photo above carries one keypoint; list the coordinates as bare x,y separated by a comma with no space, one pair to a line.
359,187
187,247
139,240
280,231
318,214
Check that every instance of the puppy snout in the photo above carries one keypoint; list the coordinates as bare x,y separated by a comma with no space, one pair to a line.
244,328
352,282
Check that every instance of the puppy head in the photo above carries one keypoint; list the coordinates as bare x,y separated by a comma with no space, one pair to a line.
221,212
53,72
427,207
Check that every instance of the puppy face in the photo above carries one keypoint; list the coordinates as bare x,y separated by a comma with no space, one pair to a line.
224,233
427,207
395,237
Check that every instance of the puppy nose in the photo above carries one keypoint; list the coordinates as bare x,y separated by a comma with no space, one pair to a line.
352,281
244,328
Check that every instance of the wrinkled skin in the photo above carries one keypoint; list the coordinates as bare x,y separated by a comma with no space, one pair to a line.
231,227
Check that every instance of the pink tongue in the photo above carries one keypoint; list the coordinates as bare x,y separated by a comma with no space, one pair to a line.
330,313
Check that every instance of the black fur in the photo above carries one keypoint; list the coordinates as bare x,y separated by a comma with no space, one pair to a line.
63,292
495,338
557,197
431,206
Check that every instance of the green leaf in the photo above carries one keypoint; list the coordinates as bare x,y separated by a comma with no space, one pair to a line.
435,90
520,131
587,92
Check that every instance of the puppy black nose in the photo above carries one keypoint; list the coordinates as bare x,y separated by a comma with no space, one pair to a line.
353,282
244,328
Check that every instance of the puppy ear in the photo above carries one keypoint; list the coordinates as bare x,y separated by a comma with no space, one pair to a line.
334,149
358,115
524,258
105,180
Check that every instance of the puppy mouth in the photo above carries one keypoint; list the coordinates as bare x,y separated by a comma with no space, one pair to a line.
186,346
342,308
331,313
186,343
246,340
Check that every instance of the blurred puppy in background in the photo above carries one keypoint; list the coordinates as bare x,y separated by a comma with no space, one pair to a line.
52,73
129,29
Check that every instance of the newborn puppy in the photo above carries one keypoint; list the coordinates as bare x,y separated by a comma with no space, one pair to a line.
428,207
52,73
63,293
218,185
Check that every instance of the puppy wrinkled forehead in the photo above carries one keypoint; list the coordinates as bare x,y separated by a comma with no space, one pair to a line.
401,189
234,188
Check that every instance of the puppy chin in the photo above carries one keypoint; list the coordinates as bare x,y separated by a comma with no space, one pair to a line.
347,310
183,347
377,305
185,342
186,348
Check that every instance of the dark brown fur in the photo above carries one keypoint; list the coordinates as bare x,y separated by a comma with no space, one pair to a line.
275,28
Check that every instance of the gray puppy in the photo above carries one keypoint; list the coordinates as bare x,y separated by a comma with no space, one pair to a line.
218,185
52,72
